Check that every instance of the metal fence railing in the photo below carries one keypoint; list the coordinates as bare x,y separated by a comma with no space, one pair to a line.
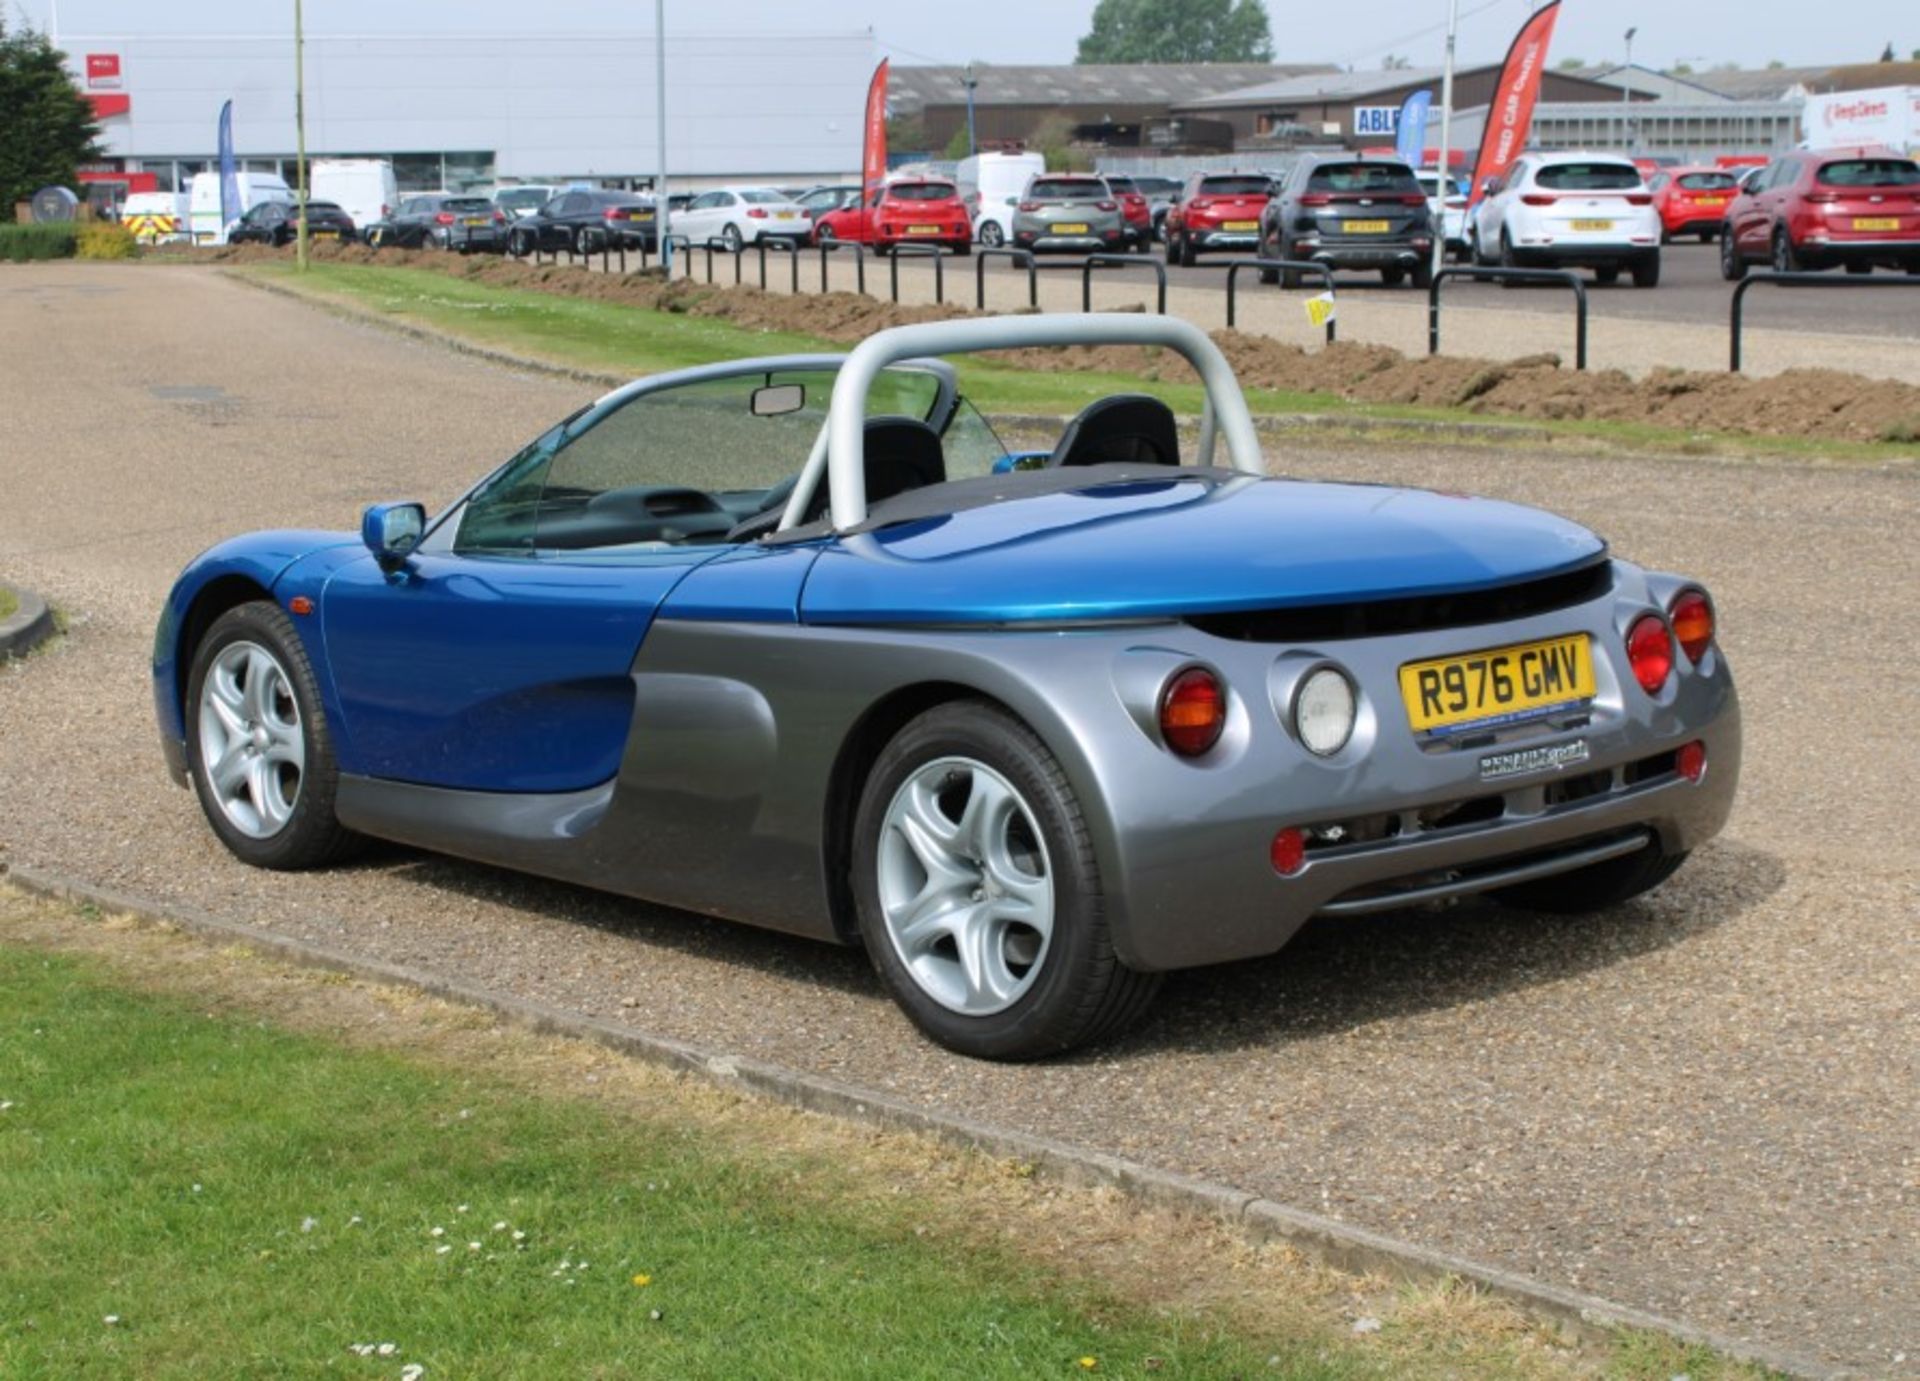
933,252
1020,258
1279,267
829,247
1736,323
1093,261
1564,277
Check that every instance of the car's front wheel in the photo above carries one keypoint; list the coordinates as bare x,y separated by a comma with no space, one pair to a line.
1597,886
1785,258
519,244
258,743
1733,264
991,235
978,895
730,237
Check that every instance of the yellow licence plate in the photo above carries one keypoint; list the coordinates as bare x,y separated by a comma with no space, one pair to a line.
1240,225
1077,228
474,220
1709,201
1876,223
923,230
1497,686
1364,227
1593,225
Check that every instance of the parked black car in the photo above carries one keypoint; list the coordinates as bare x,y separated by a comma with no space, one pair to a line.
1353,212
585,220
442,220
278,222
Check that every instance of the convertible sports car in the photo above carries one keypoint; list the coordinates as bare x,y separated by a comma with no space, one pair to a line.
796,641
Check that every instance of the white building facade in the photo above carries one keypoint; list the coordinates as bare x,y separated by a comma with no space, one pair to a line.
465,98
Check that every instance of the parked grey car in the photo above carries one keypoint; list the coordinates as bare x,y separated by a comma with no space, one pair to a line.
1068,214
1352,212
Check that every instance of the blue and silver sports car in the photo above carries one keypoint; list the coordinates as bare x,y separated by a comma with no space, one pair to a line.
796,641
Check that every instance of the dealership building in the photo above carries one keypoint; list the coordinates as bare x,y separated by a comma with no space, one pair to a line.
485,99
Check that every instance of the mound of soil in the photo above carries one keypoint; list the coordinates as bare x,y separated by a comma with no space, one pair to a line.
1812,403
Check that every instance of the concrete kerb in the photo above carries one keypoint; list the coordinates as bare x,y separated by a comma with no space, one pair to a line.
27,626
1324,1240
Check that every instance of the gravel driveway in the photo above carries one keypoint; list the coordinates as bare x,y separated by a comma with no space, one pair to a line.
1702,1104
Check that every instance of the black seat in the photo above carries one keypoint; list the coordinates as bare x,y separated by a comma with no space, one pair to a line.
1131,428
902,453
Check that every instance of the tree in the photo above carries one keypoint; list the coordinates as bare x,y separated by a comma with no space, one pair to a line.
1572,64
1886,54
958,147
1129,31
47,129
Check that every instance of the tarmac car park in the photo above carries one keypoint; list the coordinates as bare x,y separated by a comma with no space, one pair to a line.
1007,725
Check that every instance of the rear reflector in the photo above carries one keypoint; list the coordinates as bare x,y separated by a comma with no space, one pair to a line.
1691,761
1288,853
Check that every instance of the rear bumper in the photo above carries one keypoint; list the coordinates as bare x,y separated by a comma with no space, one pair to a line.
1584,255
1371,254
1224,239
1826,253
1698,225
1092,243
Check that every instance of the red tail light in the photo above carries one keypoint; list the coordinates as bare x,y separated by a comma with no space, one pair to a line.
1691,614
756,214
1414,199
1650,653
1105,206
1193,711
1823,198
444,218
1202,203
1316,199
1639,198
1538,199
1029,206
612,214
499,217
385,210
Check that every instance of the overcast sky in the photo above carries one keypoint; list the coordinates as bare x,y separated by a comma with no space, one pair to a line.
1749,32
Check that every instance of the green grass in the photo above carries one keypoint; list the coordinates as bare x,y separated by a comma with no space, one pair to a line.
9,602
247,1201
628,341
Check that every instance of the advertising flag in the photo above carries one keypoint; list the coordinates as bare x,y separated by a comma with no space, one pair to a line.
873,154
1510,114
1410,141
230,207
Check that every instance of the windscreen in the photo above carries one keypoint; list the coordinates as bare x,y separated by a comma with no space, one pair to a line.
1706,182
1589,177
922,191
1235,187
1383,178
1122,184
1871,172
762,196
1066,189
523,198
466,204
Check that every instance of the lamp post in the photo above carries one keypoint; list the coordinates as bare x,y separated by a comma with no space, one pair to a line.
300,134
1446,134
662,215
1626,93
970,81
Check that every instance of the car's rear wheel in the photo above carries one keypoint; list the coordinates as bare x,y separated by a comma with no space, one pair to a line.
1785,258
258,744
1393,278
1733,264
1607,274
1423,275
519,244
978,895
1859,270
991,235
730,237
1597,886
1188,255
1646,270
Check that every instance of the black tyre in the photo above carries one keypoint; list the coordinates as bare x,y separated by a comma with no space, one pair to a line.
1188,255
1859,270
991,235
1477,252
1607,275
1393,278
258,745
1785,258
519,244
730,237
1596,887
1646,270
1423,275
964,249
978,895
1508,259
1733,264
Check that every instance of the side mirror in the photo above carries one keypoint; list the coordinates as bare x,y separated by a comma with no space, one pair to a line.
1486,188
392,530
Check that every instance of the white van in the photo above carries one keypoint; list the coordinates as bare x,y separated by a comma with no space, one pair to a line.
362,187
989,181
156,217
208,228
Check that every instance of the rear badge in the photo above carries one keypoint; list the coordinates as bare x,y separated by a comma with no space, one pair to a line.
1553,757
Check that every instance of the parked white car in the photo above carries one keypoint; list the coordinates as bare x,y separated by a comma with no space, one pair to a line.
1570,210
1447,210
741,216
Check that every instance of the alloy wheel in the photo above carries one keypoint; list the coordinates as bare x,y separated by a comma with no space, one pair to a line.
253,748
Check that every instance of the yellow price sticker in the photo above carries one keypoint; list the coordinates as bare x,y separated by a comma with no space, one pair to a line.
1320,309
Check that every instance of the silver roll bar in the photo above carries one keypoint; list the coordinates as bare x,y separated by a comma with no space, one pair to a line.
840,451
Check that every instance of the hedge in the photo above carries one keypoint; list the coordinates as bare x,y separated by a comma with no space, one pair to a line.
21,243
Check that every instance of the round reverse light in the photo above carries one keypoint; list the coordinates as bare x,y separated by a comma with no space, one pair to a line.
1193,711
1650,652
1692,617
1323,712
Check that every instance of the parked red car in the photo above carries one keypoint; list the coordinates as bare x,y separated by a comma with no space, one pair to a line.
1216,211
1814,208
911,211
1137,210
1693,201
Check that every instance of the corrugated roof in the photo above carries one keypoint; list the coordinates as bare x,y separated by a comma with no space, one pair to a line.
1332,84
1760,84
912,89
